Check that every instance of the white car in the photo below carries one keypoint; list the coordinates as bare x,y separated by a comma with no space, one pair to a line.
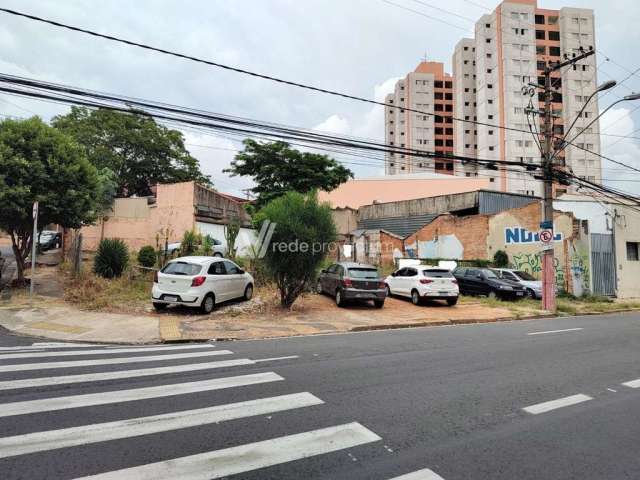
421,282
200,282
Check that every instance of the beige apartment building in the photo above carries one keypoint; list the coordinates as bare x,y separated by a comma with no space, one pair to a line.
510,48
428,89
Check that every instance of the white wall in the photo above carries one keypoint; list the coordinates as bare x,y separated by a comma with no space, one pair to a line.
246,236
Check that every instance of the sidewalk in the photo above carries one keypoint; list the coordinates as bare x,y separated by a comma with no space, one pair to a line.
54,319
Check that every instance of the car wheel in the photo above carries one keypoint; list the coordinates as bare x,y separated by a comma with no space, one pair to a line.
248,292
319,290
208,304
159,307
378,303
339,298
415,297
452,301
492,295
217,254
531,294
389,294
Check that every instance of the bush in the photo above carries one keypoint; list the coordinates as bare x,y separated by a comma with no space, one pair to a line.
305,225
190,242
501,259
111,259
147,256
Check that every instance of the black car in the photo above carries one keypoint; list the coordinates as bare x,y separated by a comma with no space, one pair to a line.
352,281
49,239
484,281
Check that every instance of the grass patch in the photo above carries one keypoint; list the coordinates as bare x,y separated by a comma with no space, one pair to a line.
119,294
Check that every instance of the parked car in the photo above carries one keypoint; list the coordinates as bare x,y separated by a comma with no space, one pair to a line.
219,250
532,286
352,281
49,239
200,282
423,282
484,281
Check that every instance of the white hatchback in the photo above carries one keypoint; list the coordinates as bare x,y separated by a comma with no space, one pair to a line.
421,282
200,282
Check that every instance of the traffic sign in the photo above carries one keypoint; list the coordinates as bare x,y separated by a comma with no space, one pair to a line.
546,236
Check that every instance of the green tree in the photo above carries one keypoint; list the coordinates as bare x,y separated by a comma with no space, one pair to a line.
276,168
133,146
39,163
301,239
501,259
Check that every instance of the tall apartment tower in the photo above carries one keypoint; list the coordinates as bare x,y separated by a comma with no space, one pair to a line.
511,47
428,89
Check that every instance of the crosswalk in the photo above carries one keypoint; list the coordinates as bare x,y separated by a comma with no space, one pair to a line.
42,414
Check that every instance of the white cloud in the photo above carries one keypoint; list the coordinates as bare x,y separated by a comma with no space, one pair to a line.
334,124
618,121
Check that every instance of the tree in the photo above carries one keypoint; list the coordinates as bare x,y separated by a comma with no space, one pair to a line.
276,168
133,146
501,259
39,163
106,192
302,236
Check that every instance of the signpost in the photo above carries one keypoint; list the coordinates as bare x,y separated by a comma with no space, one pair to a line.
546,238
34,243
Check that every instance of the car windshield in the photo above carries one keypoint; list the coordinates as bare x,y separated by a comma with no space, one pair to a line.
182,268
437,273
489,273
363,273
525,276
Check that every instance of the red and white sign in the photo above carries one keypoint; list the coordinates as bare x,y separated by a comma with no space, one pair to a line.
546,236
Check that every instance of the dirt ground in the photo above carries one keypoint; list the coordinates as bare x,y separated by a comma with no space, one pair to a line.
316,314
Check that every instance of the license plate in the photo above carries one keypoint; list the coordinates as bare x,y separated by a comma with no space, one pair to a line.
170,298
519,294
445,293
364,295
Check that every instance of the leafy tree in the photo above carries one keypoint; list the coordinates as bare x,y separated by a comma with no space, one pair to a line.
501,259
39,163
301,239
190,242
133,146
276,168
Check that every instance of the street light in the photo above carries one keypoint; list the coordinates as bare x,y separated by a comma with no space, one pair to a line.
601,88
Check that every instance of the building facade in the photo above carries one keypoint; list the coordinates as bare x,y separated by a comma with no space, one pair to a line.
510,49
427,89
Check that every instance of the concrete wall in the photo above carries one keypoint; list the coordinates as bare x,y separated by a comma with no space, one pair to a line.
627,229
346,220
406,208
376,247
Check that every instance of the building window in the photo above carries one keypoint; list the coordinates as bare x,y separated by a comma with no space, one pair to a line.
632,251
552,20
489,85
487,25
491,149
488,40
539,19
539,34
554,51
492,179
490,117
465,48
488,55
488,70
554,36
490,101
466,90
541,50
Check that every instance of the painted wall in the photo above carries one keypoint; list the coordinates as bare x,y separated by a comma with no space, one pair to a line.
245,239
627,229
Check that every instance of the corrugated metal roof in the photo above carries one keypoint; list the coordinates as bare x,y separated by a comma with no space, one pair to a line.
490,202
402,226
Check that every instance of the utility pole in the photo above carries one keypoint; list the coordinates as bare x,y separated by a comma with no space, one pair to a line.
34,246
548,270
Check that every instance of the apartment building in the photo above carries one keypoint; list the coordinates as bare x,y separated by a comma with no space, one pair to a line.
427,89
510,49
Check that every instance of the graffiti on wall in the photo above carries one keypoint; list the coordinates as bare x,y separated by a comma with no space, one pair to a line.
522,235
532,263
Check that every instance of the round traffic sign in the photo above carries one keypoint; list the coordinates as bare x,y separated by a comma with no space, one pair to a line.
546,236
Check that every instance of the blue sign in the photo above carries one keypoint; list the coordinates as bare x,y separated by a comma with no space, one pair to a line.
522,236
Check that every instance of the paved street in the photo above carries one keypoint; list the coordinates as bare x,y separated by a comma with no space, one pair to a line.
552,399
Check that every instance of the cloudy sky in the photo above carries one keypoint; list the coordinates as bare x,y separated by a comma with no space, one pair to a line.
356,46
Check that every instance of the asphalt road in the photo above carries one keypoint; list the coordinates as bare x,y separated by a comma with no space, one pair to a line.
516,400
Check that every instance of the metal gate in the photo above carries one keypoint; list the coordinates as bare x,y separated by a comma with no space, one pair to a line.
603,264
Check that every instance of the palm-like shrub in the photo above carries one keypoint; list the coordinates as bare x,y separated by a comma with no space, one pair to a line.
111,259
147,256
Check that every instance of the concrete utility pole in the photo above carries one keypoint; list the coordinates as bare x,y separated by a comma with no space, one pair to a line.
548,271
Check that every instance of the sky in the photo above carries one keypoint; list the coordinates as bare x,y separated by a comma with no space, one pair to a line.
360,47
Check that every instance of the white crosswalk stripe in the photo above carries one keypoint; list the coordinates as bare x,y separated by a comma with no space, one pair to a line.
244,458
424,474
108,361
135,394
101,351
214,462
101,432
119,374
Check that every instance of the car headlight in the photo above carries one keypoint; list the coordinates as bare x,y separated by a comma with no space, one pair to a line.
506,287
